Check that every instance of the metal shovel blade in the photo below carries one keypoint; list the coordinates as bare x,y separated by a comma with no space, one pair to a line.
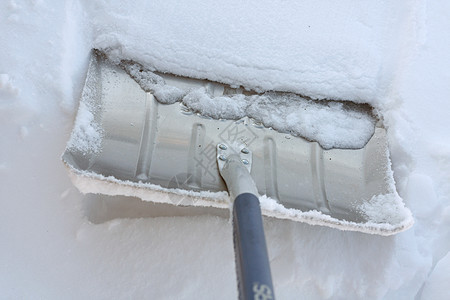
125,142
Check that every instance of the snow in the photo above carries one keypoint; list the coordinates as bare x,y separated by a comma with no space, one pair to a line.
265,47
7,88
436,286
331,124
393,55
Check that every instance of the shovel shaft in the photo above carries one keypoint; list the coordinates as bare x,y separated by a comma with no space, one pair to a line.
252,261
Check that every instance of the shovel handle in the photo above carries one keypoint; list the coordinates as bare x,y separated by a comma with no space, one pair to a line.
252,261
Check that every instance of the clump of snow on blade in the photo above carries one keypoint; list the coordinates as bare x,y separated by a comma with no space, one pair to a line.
150,82
330,123
385,208
7,89
223,107
167,94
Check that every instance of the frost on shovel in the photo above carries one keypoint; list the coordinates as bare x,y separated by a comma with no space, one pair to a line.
86,136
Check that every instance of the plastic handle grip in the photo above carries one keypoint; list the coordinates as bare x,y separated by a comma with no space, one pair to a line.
252,261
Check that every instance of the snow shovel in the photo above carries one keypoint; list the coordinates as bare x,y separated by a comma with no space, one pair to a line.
134,135
157,136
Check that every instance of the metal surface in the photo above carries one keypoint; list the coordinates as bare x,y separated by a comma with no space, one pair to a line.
145,141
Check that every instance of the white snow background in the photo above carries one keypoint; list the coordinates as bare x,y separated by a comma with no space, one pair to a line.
59,244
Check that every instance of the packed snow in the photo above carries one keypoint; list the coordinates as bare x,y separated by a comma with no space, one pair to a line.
390,54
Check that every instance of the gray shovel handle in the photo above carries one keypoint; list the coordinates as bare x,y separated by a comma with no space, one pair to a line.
252,261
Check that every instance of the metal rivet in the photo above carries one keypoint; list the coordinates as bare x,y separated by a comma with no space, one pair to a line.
222,157
245,162
223,147
245,151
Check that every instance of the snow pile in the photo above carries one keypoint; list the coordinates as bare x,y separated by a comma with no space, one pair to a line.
261,47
